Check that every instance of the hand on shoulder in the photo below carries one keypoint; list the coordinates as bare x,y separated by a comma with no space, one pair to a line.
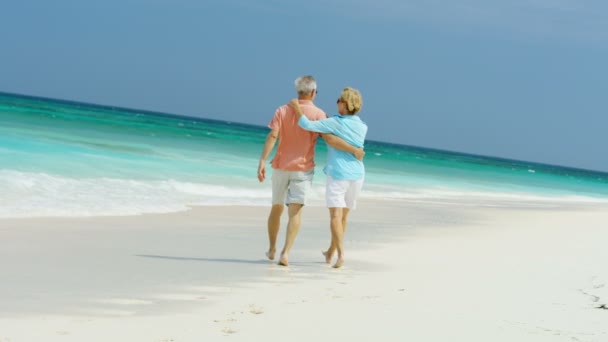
295,105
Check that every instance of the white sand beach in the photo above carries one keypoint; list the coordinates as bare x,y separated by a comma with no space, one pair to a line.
414,271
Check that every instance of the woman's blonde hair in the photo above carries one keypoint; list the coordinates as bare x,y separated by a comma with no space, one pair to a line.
352,99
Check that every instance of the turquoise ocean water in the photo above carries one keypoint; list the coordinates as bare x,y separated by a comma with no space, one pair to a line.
60,158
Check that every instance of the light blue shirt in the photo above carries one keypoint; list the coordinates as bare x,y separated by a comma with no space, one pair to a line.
341,165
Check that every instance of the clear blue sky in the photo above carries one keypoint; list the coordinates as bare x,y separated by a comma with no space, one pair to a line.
522,79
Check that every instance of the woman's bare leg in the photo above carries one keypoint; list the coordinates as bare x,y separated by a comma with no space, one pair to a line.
329,254
337,233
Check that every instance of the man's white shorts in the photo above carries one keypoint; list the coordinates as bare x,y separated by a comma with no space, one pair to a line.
342,193
291,186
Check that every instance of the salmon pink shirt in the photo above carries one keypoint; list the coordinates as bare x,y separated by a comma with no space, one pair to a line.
296,150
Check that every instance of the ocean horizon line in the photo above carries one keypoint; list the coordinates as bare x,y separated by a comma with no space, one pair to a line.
260,127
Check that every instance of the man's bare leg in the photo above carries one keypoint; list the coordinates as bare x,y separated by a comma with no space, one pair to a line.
329,254
294,212
274,224
337,233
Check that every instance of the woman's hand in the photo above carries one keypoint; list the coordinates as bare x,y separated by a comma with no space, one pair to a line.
295,105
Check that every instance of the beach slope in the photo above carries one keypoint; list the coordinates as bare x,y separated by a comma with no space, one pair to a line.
417,271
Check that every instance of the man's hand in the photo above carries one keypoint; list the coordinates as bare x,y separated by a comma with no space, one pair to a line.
271,138
359,154
262,171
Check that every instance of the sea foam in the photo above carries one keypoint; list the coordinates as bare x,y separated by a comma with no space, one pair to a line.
27,194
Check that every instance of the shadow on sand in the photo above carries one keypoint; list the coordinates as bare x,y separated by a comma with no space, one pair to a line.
236,261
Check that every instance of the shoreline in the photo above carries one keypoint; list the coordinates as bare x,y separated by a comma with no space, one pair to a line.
424,271
473,199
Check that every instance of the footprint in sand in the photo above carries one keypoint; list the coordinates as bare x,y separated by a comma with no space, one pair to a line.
593,298
229,320
228,331
600,293
255,310
599,303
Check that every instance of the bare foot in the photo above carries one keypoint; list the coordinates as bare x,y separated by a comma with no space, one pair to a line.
283,260
270,254
327,256
339,263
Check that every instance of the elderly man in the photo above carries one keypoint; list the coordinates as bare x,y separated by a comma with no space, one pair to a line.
293,164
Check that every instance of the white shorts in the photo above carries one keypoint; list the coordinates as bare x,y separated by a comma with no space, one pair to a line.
342,193
291,186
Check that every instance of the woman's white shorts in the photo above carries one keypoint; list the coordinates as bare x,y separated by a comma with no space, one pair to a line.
342,193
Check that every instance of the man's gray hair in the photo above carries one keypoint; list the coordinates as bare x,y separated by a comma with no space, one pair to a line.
305,85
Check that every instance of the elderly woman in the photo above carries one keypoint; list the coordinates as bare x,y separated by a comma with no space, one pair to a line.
344,172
